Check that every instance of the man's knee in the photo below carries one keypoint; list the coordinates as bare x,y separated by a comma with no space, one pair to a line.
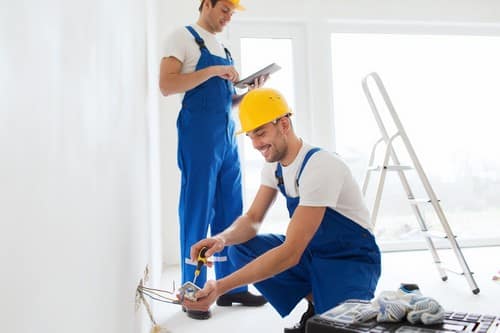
242,254
238,255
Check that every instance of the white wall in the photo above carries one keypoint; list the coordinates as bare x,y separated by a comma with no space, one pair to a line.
171,14
77,209
317,16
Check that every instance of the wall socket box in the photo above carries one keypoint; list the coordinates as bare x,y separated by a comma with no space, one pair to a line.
142,281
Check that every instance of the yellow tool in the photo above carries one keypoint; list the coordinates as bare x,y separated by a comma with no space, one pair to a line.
200,261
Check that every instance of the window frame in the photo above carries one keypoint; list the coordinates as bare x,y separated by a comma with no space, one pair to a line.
314,78
415,28
267,30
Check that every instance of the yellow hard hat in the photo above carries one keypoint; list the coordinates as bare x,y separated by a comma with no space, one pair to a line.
261,106
237,5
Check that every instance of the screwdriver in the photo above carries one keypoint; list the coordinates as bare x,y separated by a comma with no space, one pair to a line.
200,261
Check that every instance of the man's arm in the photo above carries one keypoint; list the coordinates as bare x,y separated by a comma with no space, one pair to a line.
172,81
303,225
244,228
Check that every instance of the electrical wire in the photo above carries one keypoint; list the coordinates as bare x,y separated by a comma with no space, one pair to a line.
156,295
161,299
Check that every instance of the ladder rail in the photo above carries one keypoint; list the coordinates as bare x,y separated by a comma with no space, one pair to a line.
370,162
383,173
376,203
406,141
404,181
389,147
420,172
382,128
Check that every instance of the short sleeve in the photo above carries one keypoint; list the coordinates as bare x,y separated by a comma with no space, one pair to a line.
322,180
267,175
175,45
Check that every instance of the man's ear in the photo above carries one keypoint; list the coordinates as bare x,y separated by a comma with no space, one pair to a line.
204,3
208,3
285,124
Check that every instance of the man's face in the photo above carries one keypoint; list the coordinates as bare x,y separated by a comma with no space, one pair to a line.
270,141
218,16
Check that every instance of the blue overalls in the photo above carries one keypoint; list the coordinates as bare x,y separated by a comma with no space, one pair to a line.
342,261
208,159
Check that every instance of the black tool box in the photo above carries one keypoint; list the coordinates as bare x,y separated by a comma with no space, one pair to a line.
339,320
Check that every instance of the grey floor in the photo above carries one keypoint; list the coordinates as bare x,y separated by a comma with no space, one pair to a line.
397,267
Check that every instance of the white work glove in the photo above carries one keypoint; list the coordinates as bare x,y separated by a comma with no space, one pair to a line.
389,306
426,310
391,310
366,314
394,306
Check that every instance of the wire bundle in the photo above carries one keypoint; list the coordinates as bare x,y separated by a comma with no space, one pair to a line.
159,295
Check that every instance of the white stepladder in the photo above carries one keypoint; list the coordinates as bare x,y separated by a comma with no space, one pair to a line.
392,163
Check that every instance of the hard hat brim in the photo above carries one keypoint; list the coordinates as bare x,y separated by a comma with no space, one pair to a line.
241,131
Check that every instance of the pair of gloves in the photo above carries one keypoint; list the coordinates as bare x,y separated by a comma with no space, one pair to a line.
394,306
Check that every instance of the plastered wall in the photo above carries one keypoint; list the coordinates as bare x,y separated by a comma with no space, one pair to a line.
76,203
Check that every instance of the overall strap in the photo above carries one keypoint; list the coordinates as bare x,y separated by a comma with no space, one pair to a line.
306,159
279,173
197,38
228,55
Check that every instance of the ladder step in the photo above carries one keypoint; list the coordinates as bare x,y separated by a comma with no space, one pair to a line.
454,271
436,234
420,201
389,167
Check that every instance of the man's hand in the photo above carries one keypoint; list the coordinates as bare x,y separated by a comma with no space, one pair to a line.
213,245
258,82
226,72
205,297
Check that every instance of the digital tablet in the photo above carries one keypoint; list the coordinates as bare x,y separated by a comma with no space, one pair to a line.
251,78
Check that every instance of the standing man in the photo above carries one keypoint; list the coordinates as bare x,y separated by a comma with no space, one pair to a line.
197,64
328,253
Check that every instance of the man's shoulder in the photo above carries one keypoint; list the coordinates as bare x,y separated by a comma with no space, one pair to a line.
269,166
324,161
323,154
180,33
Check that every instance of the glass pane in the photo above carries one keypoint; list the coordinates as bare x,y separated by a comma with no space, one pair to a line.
257,53
445,90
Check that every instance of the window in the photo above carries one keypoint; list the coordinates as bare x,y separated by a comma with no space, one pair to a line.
256,46
445,90
253,59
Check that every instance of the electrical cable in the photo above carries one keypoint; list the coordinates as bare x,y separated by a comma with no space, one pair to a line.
153,294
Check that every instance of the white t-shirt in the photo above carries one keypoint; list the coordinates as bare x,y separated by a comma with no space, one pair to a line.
326,181
182,45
